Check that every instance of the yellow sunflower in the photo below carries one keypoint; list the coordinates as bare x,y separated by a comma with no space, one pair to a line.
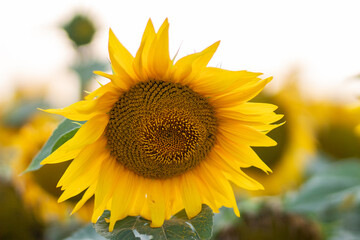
163,136
296,143
38,188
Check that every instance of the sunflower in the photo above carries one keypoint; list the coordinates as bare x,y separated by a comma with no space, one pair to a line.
296,143
38,188
336,126
162,136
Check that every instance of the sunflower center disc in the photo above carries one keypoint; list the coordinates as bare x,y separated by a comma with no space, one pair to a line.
160,129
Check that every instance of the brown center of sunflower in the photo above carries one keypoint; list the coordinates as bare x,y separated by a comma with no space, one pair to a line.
160,129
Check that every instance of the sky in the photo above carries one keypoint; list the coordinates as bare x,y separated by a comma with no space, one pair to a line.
321,39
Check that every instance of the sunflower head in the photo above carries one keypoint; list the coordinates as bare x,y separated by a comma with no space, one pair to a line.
80,29
163,135
336,129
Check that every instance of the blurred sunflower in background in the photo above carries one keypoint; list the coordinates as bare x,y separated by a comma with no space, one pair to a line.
336,129
163,136
25,225
296,142
38,188
15,112
270,223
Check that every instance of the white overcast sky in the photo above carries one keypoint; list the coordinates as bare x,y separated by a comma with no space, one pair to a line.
322,38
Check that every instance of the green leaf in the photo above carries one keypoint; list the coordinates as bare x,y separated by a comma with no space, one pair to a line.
178,227
336,185
62,134
64,138
85,233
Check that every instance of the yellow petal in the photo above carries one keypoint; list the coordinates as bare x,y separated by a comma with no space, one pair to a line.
190,195
172,197
209,194
246,135
216,80
140,64
121,59
89,132
84,178
62,154
89,158
188,67
158,59
121,83
224,185
107,182
239,95
157,203
138,196
241,152
109,87
230,116
253,108
87,195
121,198
84,110
234,174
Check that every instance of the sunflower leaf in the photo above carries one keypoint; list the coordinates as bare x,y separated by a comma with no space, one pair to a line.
64,138
65,131
85,233
178,227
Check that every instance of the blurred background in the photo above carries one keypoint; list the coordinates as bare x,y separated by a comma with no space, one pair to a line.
49,50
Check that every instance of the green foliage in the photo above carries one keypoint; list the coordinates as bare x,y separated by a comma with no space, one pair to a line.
333,186
178,227
64,138
86,233
62,134
331,196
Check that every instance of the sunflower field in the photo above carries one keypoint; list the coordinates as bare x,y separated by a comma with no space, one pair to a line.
133,121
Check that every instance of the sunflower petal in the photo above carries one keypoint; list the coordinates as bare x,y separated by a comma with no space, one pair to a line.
239,95
121,197
242,153
122,84
245,134
217,81
186,68
140,64
87,195
157,204
120,57
84,110
158,59
190,195
89,132
108,179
